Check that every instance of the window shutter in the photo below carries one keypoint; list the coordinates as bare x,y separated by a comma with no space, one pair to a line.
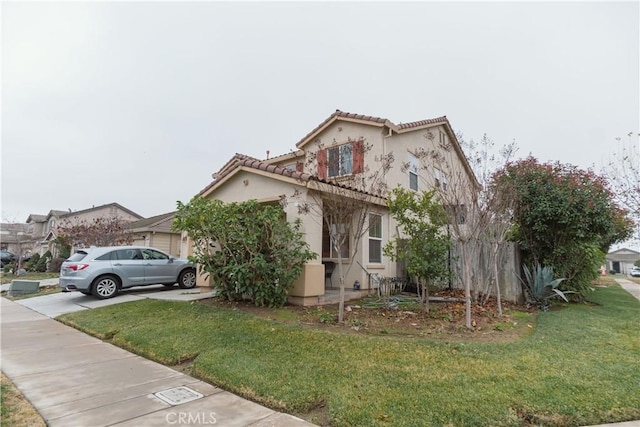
299,167
358,156
322,163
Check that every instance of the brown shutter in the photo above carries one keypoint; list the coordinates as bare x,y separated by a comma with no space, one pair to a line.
322,163
358,156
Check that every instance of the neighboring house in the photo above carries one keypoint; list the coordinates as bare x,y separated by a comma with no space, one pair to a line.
622,260
15,238
38,233
61,218
156,231
336,146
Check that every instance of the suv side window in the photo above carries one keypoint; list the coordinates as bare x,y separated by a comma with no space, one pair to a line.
151,254
109,256
127,254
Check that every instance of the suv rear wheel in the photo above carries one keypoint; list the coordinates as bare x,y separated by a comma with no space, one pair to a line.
187,279
105,287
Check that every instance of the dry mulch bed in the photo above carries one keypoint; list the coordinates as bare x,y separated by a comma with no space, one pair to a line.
407,318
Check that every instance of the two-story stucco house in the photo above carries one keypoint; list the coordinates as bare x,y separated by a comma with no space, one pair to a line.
57,218
326,157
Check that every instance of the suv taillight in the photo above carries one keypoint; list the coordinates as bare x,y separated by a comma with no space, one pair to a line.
77,267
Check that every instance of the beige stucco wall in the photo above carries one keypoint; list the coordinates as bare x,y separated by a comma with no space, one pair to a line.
339,133
245,185
106,212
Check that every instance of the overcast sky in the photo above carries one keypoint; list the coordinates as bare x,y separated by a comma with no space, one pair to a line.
139,103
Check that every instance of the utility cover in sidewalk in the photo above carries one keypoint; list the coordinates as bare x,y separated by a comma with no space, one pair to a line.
178,395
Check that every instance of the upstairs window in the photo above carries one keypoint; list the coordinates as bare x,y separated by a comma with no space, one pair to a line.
441,179
375,238
413,172
442,138
343,160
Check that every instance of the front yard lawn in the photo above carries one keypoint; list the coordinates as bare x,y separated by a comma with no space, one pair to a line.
577,366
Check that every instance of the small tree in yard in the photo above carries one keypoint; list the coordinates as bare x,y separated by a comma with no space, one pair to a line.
344,194
102,231
462,185
421,219
249,249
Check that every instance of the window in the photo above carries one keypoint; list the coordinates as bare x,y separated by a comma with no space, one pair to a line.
442,138
328,251
413,172
375,238
441,179
342,160
459,212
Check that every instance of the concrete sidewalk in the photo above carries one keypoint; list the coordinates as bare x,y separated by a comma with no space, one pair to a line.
629,286
73,379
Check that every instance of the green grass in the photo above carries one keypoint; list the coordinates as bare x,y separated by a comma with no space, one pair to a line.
579,366
7,278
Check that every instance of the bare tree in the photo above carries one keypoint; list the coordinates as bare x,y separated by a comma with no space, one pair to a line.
344,193
462,184
623,172
495,201
102,231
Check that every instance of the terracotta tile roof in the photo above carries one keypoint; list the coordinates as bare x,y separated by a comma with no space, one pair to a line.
240,160
342,114
337,115
291,154
419,123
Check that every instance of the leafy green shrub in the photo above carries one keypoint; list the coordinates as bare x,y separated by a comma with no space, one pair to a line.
248,248
328,318
9,267
33,262
64,251
584,268
41,266
540,286
55,264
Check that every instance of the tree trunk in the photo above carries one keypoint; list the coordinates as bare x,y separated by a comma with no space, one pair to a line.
495,273
341,304
467,285
426,295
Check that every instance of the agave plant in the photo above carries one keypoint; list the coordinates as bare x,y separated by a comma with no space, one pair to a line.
541,286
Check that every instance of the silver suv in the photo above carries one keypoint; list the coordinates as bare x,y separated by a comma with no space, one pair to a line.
104,271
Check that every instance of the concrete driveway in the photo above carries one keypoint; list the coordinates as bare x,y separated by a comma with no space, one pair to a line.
68,302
